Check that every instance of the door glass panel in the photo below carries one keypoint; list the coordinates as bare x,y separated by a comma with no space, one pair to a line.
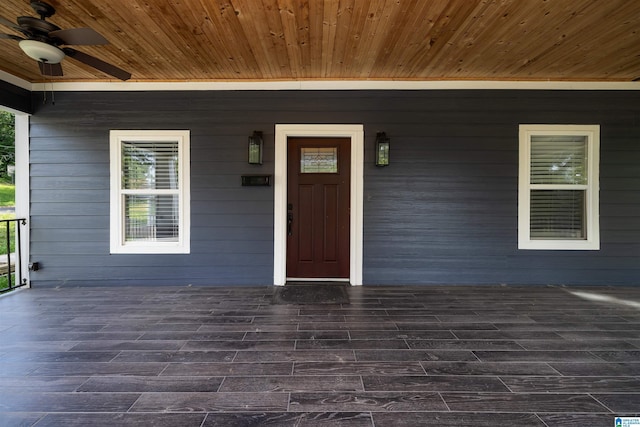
318,160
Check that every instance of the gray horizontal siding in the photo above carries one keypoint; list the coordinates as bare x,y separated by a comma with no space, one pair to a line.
444,211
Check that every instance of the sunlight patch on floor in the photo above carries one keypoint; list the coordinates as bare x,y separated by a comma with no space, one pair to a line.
591,296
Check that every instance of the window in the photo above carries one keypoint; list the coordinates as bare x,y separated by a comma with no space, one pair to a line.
149,191
558,187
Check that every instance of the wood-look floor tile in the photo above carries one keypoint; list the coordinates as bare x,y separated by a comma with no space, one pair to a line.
21,419
634,342
358,368
66,402
351,344
238,345
151,327
228,369
623,403
456,419
618,326
506,335
463,345
175,356
290,419
366,401
619,356
604,335
211,402
592,384
35,336
297,335
575,318
25,347
458,326
13,369
510,402
250,327
573,420
292,383
338,326
488,368
576,345
122,420
295,356
61,356
86,368
414,355
598,369
41,384
192,336
139,384
487,318
433,383
207,319
404,334
107,345
498,355
536,356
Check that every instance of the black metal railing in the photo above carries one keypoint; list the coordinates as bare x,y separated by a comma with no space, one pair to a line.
11,262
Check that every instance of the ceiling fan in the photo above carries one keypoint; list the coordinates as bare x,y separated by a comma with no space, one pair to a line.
48,44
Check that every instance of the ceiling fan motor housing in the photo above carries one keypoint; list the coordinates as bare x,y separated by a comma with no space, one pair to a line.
43,9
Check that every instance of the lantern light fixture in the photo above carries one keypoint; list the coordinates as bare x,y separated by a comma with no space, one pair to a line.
382,149
255,148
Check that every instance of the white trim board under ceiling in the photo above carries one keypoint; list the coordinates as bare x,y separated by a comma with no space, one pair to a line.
318,85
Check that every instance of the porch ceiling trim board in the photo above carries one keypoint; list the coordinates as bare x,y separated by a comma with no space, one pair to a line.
331,85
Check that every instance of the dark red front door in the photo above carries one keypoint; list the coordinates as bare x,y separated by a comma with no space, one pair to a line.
318,199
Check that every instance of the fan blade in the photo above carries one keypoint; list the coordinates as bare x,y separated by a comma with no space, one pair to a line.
47,69
10,36
79,36
9,24
98,64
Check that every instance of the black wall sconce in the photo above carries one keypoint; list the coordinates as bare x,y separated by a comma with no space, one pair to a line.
255,148
382,149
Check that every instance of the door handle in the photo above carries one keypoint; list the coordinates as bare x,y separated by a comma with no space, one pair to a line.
289,223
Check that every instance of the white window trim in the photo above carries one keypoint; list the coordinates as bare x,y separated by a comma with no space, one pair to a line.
592,242
118,246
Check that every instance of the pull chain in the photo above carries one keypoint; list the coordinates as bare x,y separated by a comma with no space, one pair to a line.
44,92
53,96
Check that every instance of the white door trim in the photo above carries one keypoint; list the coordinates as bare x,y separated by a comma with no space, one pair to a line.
283,132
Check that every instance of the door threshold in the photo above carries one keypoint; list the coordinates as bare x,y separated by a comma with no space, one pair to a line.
315,281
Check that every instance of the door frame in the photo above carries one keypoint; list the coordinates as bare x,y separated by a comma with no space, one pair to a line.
356,134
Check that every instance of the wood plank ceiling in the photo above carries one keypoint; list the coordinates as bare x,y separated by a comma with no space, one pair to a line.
256,40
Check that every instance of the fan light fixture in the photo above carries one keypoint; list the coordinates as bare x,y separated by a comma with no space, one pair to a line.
41,51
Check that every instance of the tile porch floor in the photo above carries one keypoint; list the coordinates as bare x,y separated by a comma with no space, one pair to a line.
395,356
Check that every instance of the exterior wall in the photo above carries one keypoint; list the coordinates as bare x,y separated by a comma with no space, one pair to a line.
444,211
14,97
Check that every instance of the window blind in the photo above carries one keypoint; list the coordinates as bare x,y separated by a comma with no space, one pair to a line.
150,190
558,214
560,159
559,184
149,165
